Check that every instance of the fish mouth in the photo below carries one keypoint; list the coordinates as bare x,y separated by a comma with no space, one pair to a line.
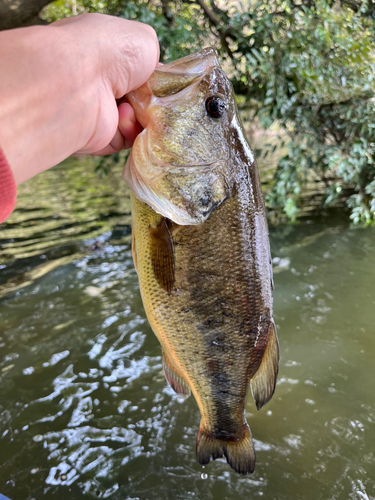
170,79
194,64
179,197
173,77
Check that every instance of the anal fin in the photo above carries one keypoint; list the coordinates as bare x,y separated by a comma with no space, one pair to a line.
175,380
263,382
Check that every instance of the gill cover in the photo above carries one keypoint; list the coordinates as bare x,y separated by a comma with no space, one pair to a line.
180,164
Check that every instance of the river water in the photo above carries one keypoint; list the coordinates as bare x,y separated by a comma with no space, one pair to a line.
85,411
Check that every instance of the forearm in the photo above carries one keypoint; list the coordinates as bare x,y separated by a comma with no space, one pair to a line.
41,99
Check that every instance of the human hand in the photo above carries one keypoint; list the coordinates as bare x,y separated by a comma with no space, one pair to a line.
58,94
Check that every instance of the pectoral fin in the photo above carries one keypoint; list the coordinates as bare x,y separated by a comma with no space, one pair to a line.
134,251
264,381
175,380
162,255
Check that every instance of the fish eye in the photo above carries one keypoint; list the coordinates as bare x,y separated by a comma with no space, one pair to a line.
215,106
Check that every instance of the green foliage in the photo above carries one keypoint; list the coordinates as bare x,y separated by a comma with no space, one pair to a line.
178,36
306,65
178,31
311,68
104,163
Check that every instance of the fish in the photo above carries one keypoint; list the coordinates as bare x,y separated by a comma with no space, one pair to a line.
201,250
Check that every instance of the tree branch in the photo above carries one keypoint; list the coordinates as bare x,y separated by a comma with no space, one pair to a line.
167,13
216,24
209,14
18,13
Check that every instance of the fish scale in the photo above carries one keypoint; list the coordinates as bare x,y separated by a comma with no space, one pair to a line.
206,285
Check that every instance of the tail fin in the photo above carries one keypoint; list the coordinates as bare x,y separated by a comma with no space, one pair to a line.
239,453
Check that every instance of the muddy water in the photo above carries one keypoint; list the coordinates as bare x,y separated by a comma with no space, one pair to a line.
85,411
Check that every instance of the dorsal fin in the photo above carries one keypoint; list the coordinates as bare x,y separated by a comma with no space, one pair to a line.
264,381
162,255
175,380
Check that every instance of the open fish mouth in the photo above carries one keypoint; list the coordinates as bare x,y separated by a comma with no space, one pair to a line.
188,68
180,164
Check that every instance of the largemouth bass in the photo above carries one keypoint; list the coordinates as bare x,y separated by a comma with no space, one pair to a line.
201,250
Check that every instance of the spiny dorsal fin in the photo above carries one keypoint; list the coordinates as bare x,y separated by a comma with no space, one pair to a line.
264,381
177,383
134,250
162,255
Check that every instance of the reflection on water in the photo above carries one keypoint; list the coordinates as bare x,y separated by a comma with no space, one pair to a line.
84,407
61,207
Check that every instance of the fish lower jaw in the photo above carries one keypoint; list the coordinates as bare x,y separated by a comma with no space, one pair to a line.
161,205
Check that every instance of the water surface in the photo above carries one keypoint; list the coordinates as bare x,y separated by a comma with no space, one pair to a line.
85,411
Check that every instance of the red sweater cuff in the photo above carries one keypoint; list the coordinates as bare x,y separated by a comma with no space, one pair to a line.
8,189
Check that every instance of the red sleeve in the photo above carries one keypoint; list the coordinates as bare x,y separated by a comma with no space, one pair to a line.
8,189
